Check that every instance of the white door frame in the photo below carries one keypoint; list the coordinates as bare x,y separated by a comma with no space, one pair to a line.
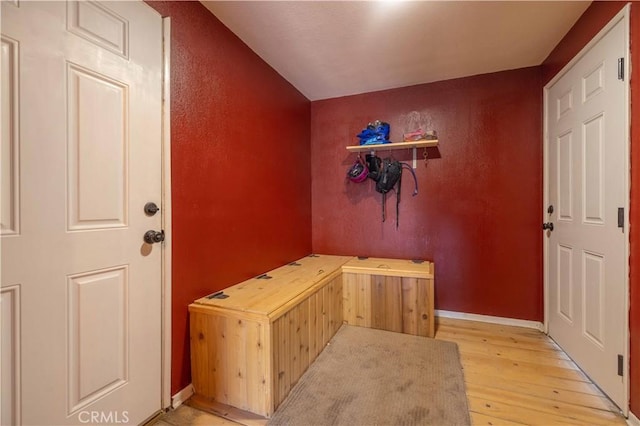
623,16
166,213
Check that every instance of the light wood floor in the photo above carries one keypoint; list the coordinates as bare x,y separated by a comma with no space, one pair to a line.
519,376
514,376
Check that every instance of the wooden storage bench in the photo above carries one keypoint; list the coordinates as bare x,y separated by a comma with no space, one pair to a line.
389,294
249,349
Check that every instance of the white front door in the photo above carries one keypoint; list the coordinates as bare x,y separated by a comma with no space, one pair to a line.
81,155
586,116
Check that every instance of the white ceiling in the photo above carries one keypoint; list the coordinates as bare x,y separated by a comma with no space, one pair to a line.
328,49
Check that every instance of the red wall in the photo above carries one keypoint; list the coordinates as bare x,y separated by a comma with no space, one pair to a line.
589,24
240,166
479,208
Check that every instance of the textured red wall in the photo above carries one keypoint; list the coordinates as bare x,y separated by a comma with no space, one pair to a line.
478,211
240,166
589,24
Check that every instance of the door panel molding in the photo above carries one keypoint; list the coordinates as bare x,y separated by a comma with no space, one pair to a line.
10,142
97,334
10,323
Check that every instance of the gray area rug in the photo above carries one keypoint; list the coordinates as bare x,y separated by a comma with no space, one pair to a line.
374,377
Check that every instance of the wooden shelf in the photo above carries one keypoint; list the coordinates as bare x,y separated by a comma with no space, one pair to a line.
393,145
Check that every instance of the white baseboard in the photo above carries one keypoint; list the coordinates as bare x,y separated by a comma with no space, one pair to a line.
494,320
182,396
633,420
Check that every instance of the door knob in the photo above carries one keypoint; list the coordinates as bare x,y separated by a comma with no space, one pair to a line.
152,236
547,226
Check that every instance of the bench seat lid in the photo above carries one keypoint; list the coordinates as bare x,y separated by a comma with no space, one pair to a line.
287,285
390,267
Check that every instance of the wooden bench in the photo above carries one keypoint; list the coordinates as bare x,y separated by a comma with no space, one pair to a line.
249,348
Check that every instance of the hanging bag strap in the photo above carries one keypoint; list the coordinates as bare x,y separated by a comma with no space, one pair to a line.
415,179
398,191
384,203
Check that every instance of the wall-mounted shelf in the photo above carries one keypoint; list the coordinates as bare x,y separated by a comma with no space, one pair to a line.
394,145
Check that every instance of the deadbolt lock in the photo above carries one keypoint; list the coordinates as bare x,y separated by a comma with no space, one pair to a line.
151,209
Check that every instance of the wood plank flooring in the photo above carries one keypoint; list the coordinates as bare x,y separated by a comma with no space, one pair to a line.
518,376
514,376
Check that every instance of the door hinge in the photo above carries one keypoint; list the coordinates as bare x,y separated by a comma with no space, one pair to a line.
620,365
621,69
621,218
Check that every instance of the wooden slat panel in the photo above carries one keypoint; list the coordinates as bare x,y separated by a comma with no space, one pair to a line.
320,321
333,297
258,362
363,300
303,331
326,314
339,304
393,304
377,302
278,373
410,309
349,295
200,356
283,349
315,327
236,358
294,345
217,350
424,314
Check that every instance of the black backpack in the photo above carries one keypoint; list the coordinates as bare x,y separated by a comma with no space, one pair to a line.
387,173
390,174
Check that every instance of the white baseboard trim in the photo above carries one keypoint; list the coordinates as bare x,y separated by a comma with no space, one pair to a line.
182,396
633,420
493,320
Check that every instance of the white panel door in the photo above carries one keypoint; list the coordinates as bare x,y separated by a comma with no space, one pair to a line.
587,183
81,155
